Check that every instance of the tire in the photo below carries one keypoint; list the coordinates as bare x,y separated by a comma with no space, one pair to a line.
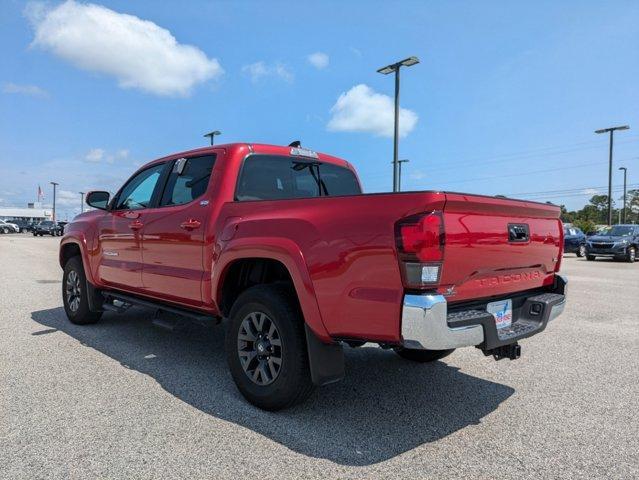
422,356
268,314
631,254
590,258
5,230
581,251
74,294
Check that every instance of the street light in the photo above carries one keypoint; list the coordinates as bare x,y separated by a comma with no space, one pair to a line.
212,135
81,202
625,172
407,62
54,185
399,182
611,130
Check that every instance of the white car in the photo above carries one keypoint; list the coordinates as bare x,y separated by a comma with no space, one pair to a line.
6,227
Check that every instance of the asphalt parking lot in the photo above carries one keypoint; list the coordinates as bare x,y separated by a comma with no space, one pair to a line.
123,399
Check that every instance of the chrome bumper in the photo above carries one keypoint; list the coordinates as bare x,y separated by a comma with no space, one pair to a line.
425,325
556,310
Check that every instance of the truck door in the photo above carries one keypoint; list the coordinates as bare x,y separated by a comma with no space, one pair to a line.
174,233
119,231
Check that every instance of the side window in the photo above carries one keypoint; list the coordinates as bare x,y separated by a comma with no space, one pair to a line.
137,193
188,180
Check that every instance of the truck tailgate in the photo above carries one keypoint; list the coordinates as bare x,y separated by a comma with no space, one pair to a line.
495,246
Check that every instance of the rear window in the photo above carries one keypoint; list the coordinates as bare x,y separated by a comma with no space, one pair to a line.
269,177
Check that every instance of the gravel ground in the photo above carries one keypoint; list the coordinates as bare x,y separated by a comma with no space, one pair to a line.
124,399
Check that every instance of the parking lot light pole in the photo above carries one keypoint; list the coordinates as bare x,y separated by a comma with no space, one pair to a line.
54,185
407,62
625,172
399,180
611,130
81,202
212,135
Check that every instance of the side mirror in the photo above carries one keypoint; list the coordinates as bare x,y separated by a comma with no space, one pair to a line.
98,199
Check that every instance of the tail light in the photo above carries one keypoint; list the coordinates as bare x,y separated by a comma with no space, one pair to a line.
420,247
561,246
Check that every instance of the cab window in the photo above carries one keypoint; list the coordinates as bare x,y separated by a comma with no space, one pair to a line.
138,191
189,179
271,177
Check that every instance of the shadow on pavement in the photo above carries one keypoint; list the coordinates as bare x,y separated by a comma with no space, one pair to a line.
384,407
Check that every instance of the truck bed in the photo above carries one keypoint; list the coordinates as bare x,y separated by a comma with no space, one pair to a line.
348,244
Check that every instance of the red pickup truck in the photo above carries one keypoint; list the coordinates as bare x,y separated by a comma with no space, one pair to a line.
282,244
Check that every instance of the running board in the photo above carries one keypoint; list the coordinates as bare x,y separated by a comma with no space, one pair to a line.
126,301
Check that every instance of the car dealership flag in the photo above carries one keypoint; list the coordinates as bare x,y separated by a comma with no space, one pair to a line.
40,194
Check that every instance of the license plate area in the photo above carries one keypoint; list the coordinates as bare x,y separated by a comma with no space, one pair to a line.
502,312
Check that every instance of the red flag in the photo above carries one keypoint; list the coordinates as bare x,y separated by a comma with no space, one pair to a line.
40,193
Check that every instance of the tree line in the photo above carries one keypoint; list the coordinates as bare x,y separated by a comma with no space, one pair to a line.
596,212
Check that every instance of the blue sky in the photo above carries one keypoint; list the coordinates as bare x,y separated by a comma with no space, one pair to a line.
504,101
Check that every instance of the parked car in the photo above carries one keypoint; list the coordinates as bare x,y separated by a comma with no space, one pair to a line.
46,227
619,241
574,241
8,227
282,242
61,226
24,225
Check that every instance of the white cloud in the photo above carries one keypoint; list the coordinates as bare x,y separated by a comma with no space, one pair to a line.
361,109
31,90
138,53
94,155
67,198
318,59
259,70
123,153
591,191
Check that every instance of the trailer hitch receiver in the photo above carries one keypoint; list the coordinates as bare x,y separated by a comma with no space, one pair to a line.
512,351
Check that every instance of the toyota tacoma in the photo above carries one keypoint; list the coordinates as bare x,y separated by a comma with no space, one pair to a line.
281,243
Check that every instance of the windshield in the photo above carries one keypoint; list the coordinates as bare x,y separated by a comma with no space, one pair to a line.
619,231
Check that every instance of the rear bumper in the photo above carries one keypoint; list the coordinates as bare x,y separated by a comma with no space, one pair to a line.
427,323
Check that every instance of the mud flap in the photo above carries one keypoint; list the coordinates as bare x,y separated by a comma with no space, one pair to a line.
326,360
95,298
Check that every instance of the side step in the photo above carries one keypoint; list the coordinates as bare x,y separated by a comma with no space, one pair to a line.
119,302
169,324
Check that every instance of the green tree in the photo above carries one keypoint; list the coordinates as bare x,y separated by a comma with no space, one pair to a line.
586,226
597,211
632,206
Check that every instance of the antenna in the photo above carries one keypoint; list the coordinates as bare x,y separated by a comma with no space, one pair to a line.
295,144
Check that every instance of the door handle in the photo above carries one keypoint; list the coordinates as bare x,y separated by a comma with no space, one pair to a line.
190,224
136,225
